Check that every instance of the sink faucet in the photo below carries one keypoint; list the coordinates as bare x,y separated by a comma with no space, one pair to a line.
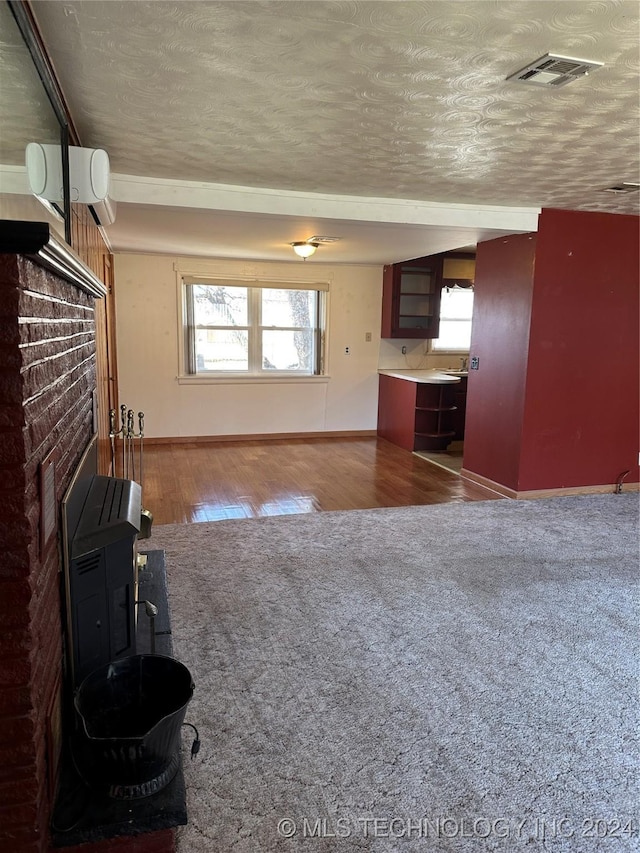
465,363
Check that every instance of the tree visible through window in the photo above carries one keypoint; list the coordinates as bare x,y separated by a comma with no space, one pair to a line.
237,329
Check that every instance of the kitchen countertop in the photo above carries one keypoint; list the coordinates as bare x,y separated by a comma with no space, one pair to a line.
430,377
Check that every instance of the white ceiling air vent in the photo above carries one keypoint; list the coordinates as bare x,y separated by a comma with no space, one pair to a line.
554,70
623,187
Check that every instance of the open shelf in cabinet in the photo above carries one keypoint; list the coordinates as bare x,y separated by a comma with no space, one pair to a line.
433,427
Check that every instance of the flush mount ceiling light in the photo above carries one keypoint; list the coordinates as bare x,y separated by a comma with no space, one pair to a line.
553,70
305,248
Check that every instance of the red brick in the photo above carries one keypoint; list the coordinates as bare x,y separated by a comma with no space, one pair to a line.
13,505
47,329
57,376
23,840
53,416
8,267
12,479
15,597
8,301
10,388
14,701
10,355
18,814
14,641
17,728
18,791
14,671
11,415
162,841
14,530
24,814
12,446
16,754
47,664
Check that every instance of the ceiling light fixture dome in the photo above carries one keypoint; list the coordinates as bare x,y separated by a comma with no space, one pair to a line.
304,248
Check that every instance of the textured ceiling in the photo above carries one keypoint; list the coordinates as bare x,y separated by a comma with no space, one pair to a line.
25,112
396,100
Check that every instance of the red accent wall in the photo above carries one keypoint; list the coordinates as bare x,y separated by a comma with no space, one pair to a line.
581,411
500,339
554,403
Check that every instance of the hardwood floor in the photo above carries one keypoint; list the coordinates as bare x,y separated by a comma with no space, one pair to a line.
186,482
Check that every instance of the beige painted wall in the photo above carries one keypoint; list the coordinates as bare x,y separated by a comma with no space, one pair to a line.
147,339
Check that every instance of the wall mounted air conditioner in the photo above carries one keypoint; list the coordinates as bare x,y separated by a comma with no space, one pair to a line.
89,176
104,211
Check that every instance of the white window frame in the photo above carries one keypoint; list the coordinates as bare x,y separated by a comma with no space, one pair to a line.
255,373
436,350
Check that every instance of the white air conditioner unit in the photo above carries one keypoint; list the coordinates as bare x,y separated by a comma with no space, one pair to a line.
44,171
89,175
104,211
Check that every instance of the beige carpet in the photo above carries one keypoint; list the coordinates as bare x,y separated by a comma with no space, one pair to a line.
459,678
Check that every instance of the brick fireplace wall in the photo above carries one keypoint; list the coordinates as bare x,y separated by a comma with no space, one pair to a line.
52,347
47,351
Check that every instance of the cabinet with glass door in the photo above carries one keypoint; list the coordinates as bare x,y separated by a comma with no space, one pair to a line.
411,298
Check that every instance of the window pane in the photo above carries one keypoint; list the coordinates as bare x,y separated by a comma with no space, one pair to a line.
219,349
288,308
454,334
215,305
456,304
456,310
286,350
252,330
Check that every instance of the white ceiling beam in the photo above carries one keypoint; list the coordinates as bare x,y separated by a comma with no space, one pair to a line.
223,197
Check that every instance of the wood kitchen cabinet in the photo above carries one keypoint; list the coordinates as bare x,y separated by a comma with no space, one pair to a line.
411,298
411,292
459,400
415,415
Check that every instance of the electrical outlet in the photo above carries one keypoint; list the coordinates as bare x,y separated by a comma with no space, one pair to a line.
346,350
475,363
404,350
367,337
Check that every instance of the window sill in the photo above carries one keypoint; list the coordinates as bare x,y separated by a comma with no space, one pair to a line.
243,379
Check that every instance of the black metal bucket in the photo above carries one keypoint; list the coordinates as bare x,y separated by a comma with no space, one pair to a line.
131,712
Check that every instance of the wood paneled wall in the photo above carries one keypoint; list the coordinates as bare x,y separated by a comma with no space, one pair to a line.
88,243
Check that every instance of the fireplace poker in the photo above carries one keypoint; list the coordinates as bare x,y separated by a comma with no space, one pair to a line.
141,447
123,421
131,470
112,436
